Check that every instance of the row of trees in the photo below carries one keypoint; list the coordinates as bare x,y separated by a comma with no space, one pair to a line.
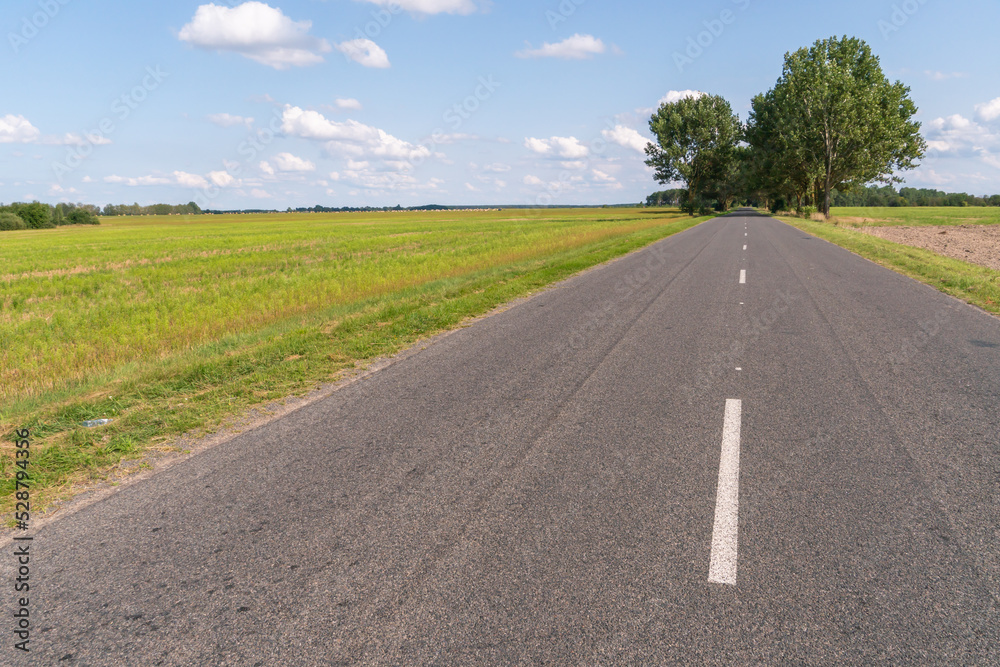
885,195
832,123
155,209
37,215
888,196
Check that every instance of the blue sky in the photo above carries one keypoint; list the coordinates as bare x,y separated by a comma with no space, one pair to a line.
372,102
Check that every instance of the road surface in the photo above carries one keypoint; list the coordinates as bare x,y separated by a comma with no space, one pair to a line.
740,445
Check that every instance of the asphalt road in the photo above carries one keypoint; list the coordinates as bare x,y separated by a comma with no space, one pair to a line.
543,487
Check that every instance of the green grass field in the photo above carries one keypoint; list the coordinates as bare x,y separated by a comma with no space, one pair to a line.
914,216
170,325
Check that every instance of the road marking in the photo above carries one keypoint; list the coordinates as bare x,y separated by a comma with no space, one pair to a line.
722,568
743,276
744,247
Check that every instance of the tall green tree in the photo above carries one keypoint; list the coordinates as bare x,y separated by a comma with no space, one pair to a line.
836,121
696,142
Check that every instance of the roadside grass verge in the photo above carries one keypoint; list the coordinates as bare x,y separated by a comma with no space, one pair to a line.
188,382
974,284
915,216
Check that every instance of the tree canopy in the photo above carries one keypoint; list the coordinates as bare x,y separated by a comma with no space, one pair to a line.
696,144
832,122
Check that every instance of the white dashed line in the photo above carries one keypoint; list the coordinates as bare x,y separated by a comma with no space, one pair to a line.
743,276
744,247
722,569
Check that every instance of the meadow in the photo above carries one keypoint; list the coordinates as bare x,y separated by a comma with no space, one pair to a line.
916,216
175,324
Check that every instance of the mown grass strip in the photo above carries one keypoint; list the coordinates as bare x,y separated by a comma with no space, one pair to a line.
197,389
976,285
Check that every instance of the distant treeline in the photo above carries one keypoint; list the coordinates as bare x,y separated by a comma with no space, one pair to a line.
43,216
889,196
866,196
155,209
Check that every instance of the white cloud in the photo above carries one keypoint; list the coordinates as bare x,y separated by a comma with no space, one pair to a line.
181,178
364,52
223,179
471,188
532,180
350,137
452,138
257,193
989,111
229,120
289,162
266,167
627,137
257,31
576,47
17,130
956,135
497,168
574,164
348,103
944,76
141,180
565,147
190,180
72,139
429,6
678,95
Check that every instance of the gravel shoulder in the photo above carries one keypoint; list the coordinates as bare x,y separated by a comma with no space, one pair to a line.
978,244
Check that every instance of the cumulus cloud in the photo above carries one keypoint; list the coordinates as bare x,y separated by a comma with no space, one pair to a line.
989,111
257,31
288,162
577,47
181,178
627,137
944,76
956,135
531,179
350,137
429,6
678,95
229,120
364,52
362,175
222,179
348,103
17,130
565,147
